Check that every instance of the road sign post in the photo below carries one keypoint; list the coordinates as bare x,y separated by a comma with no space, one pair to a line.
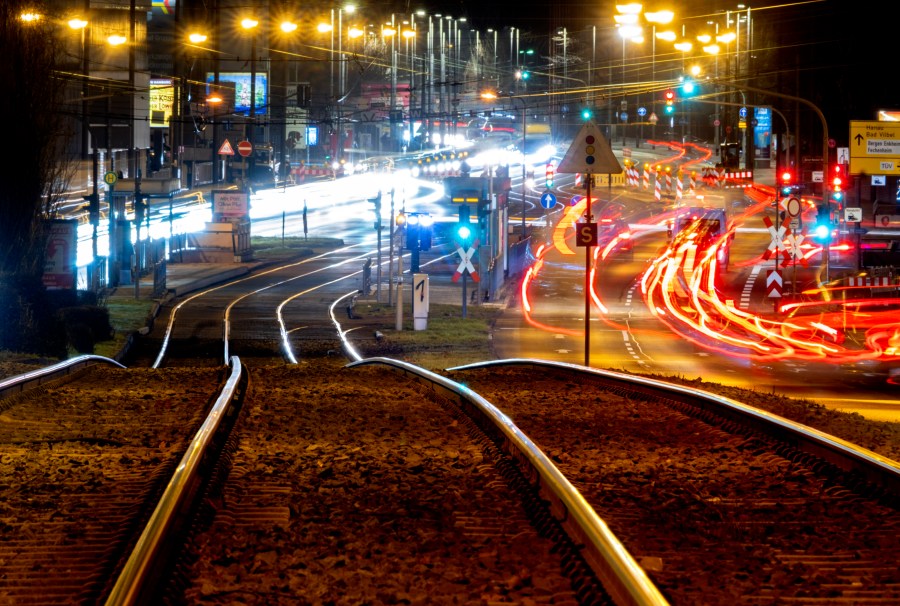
548,201
589,154
245,148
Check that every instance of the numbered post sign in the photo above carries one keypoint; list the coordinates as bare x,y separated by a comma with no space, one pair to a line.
420,301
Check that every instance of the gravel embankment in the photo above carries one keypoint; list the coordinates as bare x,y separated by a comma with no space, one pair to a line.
350,486
715,518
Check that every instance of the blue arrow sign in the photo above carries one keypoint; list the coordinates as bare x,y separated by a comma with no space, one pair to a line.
642,111
548,199
742,113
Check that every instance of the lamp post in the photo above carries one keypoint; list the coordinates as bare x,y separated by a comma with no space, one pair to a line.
250,25
663,17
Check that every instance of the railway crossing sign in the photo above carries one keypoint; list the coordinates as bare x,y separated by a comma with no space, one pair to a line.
774,283
777,244
465,264
548,199
792,244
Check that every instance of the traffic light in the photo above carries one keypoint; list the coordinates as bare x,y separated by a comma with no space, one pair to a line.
586,113
548,175
823,226
419,227
689,87
670,102
837,183
465,231
377,210
93,208
787,182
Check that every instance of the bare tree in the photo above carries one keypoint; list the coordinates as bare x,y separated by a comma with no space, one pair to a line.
30,174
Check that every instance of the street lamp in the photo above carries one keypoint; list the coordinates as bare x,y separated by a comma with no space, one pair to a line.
628,32
250,25
489,95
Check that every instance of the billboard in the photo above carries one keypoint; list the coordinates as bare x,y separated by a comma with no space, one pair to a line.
228,205
762,132
162,100
59,255
241,82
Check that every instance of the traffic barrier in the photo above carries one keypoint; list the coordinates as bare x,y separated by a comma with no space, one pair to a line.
874,282
657,193
645,181
311,171
679,193
693,182
668,182
720,176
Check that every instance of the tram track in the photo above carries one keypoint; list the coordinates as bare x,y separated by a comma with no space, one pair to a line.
719,506
360,484
85,457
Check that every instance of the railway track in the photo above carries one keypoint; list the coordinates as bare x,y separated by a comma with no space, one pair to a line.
359,484
328,491
84,460
720,503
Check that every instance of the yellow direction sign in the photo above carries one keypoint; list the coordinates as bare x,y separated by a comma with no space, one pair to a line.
874,147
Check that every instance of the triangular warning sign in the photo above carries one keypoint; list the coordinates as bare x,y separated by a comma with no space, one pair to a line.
226,149
590,153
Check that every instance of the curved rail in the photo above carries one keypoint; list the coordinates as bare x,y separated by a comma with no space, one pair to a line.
845,455
28,380
624,580
135,583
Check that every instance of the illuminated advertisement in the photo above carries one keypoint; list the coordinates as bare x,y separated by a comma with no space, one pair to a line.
162,100
229,205
242,91
59,255
762,131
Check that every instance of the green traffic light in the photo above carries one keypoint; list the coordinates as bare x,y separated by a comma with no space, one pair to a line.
463,232
586,114
670,109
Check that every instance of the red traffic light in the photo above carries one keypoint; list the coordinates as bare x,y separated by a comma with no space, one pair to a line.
670,95
787,177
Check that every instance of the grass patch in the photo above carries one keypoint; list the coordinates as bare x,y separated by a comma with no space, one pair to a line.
449,340
266,248
126,316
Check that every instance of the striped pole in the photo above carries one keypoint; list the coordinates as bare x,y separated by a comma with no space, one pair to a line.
668,180
679,193
645,183
693,182
656,188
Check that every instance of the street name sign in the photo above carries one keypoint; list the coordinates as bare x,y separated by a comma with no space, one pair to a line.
874,147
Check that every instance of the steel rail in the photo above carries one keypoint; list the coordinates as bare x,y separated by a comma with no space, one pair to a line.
625,581
136,583
34,378
849,457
